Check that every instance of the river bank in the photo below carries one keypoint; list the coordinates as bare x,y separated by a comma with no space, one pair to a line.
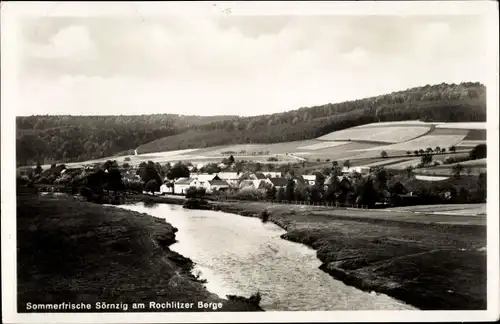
425,264
70,251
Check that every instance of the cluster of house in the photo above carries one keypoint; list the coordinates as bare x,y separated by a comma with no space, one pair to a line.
239,180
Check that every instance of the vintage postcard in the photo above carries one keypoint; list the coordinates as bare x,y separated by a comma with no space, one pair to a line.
249,161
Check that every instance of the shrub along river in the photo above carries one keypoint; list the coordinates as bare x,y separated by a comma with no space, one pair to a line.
241,255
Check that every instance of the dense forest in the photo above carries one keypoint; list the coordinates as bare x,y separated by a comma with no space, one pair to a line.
51,139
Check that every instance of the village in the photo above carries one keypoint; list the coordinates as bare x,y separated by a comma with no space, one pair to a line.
224,181
350,186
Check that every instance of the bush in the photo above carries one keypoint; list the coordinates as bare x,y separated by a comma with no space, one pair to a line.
478,152
127,159
86,192
250,194
193,192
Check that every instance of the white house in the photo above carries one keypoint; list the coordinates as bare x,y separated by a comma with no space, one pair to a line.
272,174
358,169
181,185
246,184
203,177
215,185
277,182
232,178
197,183
310,179
164,189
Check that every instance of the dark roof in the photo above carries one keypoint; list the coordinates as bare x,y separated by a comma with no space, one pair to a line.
218,183
260,175
329,180
279,182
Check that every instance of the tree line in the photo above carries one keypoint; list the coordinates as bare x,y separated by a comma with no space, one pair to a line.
49,139
465,102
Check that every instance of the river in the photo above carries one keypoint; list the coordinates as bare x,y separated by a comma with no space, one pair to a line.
240,255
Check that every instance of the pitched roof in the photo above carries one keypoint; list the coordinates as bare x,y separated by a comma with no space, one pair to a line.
246,183
228,175
218,183
329,180
183,181
280,182
309,177
206,177
259,175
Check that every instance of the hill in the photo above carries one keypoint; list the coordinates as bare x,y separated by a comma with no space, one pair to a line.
465,102
51,139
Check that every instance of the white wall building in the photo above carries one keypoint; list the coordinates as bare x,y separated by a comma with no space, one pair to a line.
181,185
310,179
232,178
358,169
215,185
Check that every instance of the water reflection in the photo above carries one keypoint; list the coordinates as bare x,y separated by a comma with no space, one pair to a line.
241,255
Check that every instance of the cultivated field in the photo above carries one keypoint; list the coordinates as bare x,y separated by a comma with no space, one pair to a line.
470,125
387,162
322,145
470,143
424,142
361,145
397,123
403,165
388,134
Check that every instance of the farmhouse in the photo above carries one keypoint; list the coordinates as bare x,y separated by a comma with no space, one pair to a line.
272,174
215,185
310,179
197,183
342,180
203,177
232,178
246,184
166,188
181,185
277,182
259,176
357,169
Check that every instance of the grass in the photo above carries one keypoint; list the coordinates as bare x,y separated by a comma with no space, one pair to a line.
73,251
428,265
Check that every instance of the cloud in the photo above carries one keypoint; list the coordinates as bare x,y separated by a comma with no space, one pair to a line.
73,42
245,65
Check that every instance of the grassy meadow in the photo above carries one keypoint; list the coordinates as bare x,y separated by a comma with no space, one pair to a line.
74,251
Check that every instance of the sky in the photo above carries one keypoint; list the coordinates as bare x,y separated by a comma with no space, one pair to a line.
237,65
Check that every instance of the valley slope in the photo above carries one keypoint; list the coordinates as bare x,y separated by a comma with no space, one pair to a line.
65,139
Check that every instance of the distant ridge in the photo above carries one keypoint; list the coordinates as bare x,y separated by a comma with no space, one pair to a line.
50,139
465,102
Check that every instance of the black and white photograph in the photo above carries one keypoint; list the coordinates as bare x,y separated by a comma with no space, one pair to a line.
249,161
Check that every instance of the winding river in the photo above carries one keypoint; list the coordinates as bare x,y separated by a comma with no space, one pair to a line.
241,255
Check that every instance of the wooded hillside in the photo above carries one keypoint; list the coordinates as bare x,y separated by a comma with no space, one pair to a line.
51,139
444,103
